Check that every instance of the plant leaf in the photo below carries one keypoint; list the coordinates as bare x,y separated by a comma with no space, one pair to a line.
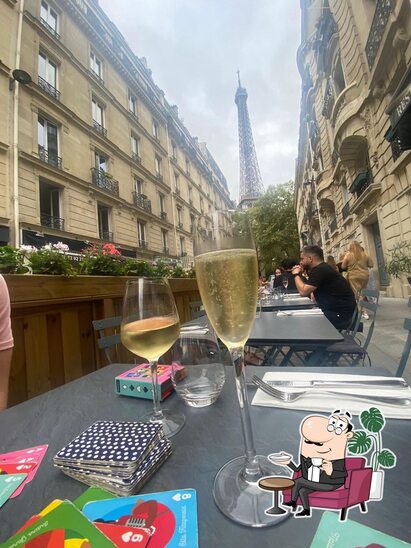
372,419
360,443
387,459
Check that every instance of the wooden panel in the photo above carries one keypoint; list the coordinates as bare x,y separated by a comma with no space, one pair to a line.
71,345
55,339
88,358
18,376
37,356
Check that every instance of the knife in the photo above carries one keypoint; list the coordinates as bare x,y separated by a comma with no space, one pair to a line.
380,383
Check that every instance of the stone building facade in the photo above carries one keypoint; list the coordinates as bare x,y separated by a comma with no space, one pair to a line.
90,150
353,173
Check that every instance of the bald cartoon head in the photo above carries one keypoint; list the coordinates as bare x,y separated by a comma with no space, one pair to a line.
325,437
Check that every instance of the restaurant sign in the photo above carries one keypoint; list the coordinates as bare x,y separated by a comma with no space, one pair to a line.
399,110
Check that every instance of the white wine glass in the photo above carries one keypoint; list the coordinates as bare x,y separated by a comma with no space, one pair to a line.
227,276
150,325
285,284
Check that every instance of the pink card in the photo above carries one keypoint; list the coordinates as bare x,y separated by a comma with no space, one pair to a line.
23,456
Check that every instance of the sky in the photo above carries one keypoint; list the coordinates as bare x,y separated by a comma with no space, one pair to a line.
194,48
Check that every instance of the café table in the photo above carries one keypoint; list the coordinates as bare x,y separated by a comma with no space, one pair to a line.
293,303
211,436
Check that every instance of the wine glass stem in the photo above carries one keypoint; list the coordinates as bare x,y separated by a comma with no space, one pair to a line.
251,471
157,413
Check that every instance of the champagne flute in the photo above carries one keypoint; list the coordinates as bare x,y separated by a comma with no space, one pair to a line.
227,277
285,283
150,326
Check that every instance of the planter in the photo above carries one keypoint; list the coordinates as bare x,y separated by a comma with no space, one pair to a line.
377,485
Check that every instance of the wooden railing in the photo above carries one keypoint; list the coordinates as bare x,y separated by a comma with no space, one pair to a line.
54,341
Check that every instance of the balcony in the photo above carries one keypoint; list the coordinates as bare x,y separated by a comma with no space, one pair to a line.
314,132
106,236
333,226
51,221
50,28
365,189
48,88
334,158
104,180
142,244
136,158
378,26
101,129
361,182
183,254
326,235
163,215
49,157
165,250
345,212
177,191
159,176
180,225
328,99
141,200
96,76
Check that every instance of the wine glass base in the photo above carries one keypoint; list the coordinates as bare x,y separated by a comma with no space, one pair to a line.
172,422
243,501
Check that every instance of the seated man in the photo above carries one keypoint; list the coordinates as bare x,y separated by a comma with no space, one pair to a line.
332,292
6,343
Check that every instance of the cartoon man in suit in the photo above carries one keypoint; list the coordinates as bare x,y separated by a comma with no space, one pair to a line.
322,460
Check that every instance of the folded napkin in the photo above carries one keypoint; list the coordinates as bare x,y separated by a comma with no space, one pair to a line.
296,298
320,401
310,312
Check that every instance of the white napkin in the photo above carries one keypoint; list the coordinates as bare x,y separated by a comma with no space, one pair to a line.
320,401
296,298
310,312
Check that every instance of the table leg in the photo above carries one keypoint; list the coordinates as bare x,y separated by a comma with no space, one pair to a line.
275,509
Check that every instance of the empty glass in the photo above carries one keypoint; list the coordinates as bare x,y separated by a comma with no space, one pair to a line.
197,370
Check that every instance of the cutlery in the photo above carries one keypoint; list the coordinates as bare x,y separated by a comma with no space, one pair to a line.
376,383
289,397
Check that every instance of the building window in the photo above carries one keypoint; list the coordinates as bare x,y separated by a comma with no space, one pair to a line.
202,205
188,167
192,220
164,240
157,163
47,139
179,217
190,194
47,70
98,116
174,151
138,185
104,223
96,65
132,104
162,202
135,147
177,183
338,77
141,232
156,130
48,17
50,209
101,162
182,246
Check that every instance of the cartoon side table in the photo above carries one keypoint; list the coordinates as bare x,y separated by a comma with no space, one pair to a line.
275,484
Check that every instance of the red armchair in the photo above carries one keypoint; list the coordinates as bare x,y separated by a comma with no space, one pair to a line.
356,489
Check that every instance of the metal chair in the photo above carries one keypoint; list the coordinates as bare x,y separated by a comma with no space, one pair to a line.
407,347
110,343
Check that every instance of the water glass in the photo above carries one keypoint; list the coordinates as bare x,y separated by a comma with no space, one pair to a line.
200,382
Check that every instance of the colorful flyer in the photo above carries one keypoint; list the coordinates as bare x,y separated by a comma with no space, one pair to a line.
25,456
171,516
8,485
92,494
350,534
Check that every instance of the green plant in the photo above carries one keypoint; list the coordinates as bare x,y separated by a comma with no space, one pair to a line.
12,261
51,259
372,420
399,261
162,269
101,260
137,267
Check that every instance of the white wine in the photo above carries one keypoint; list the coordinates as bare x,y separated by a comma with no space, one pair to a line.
152,337
285,283
228,284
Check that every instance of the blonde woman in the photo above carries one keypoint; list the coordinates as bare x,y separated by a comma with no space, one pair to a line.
356,263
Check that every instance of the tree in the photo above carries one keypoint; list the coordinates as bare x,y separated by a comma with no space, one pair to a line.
275,226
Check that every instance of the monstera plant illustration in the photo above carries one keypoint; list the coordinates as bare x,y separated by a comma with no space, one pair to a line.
370,440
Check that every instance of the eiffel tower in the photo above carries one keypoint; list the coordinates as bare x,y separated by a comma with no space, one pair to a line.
251,185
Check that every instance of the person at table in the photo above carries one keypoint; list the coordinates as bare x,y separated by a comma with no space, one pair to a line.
331,291
357,262
287,266
276,279
332,263
6,343
322,457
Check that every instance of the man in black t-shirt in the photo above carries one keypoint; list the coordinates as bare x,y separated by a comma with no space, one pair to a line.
332,292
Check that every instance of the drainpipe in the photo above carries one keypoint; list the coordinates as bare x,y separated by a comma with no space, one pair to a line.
15,146
173,202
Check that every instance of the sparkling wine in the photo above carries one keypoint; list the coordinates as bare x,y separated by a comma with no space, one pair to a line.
152,337
285,282
228,284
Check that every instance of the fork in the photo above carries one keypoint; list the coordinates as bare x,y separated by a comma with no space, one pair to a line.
289,397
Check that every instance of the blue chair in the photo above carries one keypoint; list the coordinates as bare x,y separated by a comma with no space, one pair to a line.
407,347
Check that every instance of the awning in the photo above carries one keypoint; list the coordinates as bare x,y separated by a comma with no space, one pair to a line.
399,112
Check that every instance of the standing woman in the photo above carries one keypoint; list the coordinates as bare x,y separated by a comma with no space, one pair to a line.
6,343
356,262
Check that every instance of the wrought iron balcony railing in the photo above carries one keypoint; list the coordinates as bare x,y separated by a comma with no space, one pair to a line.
136,157
333,226
51,221
328,99
101,129
141,200
334,158
314,132
49,157
106,236
159,176
361,182
163,215
48,88
378,25
165,250
326,235
345,211
50,28
104,180
396,148
142,244
183,254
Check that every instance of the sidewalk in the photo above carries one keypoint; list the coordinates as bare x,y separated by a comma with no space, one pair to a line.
387,342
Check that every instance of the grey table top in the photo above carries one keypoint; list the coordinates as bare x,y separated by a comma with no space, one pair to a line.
272,329
286,304
211,436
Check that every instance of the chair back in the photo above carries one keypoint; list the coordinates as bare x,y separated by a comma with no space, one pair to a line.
110,341
370,305
407,347
197,309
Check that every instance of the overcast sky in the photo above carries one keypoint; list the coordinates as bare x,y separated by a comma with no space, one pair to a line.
194,48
